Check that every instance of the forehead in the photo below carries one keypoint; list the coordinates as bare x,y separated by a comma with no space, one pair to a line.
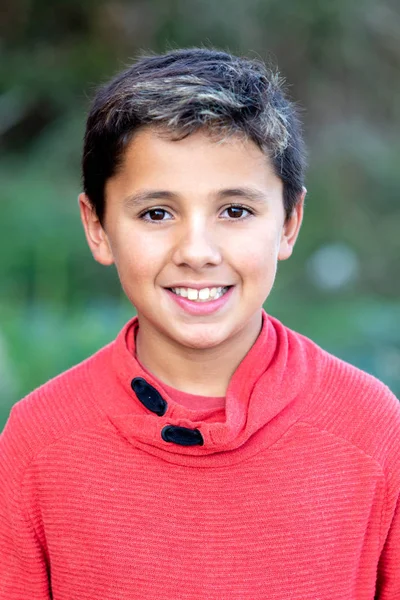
197,163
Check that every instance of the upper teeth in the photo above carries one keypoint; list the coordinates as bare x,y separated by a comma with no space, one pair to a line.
203,294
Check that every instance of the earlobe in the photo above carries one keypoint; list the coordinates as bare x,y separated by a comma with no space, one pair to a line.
291,229
95,235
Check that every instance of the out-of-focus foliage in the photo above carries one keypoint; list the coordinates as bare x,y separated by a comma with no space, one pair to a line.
342,59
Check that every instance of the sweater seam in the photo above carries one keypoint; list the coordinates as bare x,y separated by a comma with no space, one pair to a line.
344,439
383,512
369,456
16,495
101,416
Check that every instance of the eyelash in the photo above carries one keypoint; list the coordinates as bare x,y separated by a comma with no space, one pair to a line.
158,221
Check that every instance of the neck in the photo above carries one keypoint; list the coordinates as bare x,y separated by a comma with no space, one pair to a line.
200,371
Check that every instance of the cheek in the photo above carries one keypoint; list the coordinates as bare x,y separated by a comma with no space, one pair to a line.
260,269
139,257
256,259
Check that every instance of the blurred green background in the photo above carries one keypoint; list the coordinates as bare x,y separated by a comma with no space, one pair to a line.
341,287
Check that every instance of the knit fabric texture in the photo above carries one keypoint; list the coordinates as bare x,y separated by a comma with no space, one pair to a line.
291,491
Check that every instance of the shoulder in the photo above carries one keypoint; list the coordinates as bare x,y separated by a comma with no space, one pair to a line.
352,404
56,409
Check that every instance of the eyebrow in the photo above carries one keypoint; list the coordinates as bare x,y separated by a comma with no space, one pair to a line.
142,197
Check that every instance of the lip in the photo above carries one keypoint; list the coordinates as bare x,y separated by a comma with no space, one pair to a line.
200,308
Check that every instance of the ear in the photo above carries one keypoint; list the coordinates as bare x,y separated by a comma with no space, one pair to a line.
291,229
95,235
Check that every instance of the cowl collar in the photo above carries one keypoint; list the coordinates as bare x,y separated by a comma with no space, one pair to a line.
270,378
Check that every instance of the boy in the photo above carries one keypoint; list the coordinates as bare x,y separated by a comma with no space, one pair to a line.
209,451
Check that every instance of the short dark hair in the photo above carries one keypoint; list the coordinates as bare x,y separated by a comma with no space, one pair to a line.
183,91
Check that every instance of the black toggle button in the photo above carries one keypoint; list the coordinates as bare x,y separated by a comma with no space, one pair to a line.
149,396
182,435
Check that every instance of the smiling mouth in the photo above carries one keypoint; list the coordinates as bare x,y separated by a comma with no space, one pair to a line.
202,295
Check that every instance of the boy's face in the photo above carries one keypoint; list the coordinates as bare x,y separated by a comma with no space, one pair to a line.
194,213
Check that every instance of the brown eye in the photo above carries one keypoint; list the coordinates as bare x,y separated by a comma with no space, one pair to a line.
156,214
236,212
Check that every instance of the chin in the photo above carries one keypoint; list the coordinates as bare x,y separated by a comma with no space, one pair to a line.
201,340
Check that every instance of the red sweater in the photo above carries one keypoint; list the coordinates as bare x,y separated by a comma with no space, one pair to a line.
111,490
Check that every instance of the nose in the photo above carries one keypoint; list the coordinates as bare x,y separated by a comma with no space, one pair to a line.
197,246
